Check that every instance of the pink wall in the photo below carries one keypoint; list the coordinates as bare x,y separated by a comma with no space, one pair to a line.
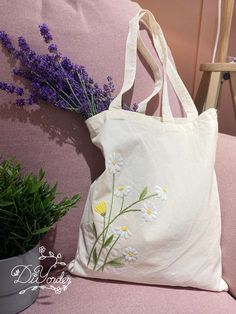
190,28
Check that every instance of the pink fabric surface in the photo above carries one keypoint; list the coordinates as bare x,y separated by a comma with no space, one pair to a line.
226,177
86,296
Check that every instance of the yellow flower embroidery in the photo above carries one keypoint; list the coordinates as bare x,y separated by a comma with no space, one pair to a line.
121,188
101,208
165,189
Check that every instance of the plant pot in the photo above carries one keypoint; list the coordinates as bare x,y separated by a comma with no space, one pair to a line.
15,291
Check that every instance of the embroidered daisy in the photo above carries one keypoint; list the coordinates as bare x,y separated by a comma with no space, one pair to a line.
122,231
115,162
121,191
161,192
149,212
130,254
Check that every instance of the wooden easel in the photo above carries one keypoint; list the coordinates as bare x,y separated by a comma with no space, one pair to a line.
213,73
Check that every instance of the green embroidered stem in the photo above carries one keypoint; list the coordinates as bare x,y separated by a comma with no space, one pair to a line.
122,203
104,224
108,222
108,253
125,210
138,201
103,241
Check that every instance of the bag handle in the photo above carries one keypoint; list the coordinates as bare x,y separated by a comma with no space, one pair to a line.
133,43
178,85
169,70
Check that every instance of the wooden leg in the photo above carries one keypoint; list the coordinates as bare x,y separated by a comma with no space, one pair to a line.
202,91
213,90
233,89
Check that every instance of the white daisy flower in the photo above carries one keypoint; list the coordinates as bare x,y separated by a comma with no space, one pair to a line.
122,231
115,162
130,254
121,191
149,212
161,192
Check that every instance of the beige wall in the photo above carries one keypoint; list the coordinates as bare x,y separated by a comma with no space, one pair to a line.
189,27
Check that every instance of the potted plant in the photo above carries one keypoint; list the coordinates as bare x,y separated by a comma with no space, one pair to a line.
28,210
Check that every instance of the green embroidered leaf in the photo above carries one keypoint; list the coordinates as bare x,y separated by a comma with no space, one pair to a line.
143,193
95,230
116,262
95,257
108,241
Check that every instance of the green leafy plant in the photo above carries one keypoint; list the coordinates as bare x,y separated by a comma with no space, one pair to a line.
27,208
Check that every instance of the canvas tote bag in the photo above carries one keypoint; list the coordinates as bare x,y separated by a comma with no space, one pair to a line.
153,216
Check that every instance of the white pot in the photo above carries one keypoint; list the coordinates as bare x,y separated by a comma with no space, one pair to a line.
12,299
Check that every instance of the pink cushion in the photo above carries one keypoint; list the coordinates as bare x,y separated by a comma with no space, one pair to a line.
93,296
226,176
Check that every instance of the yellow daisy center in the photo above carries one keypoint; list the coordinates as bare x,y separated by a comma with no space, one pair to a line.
131,254
148,211
114,162
165,189
124,228
121,188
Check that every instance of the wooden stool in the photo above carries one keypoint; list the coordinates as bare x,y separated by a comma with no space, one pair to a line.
209,89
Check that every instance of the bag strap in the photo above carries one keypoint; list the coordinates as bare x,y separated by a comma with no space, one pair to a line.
171,72
133,42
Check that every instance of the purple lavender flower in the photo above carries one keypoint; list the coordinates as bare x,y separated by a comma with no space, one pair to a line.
23,44
52,48
20,102
6,42
19,91
9,88
56,79
45,32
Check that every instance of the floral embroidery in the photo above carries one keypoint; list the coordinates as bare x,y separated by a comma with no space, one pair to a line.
101,252
130,254
149,212
123,231
101,208
122,191
115,162
42,249
161,192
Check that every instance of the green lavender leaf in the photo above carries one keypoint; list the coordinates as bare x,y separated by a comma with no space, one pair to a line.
108,241
143,193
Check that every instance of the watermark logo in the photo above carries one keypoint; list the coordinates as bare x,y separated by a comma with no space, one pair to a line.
36,278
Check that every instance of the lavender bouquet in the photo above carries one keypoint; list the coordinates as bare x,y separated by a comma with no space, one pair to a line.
55,79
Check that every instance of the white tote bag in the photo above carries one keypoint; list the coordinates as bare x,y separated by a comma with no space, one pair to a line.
153,216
